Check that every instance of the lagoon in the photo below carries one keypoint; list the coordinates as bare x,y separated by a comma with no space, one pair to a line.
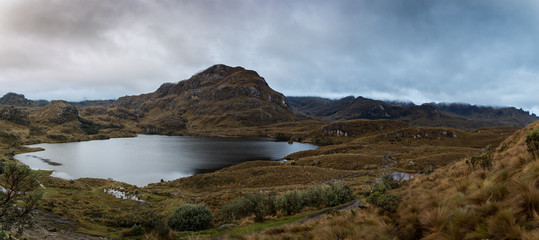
149,158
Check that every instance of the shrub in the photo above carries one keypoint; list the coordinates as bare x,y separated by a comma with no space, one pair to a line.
390,182
337,193
190,217
532,141
313,197
136,230
148,219
19,198
388,201
290,202
379,196
258,204
262,205
236,209
484,160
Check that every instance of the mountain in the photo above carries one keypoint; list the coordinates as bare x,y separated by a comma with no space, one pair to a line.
454,115
218,97
225,97
20,100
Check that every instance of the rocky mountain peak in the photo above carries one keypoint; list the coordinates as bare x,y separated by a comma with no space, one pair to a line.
15,99
59,112
216,73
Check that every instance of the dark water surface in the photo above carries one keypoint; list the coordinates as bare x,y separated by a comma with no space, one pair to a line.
150,158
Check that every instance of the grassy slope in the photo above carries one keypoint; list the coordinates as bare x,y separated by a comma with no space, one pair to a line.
453,202
74,199
457,202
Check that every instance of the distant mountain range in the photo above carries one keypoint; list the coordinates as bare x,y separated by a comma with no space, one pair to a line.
224,97
455,115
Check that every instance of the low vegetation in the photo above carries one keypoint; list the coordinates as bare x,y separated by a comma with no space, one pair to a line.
264,204
453,202
190,217
532,141
379,194
261,194
459,202
18,197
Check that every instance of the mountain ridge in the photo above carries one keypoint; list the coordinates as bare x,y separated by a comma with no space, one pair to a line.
225,97
456,115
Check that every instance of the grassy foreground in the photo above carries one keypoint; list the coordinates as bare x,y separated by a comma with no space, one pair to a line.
357,158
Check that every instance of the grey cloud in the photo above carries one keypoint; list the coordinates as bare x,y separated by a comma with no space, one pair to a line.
482,52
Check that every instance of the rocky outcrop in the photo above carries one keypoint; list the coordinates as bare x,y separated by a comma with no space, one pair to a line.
57,112
15,100
15,115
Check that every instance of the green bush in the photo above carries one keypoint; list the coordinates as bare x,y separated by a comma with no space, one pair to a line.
390,182
190,217
258,204
236,209
136,230
337,193
484,160
262,205
532,141
388,201
373,197
148,219
380,197
314,197
290,202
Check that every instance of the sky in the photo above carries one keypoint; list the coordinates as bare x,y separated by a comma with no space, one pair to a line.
482,52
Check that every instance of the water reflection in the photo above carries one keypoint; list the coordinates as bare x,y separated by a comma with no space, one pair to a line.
150,158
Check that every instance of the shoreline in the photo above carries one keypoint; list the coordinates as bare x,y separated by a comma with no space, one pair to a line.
22,149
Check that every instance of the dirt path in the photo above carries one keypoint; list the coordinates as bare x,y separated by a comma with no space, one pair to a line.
356,203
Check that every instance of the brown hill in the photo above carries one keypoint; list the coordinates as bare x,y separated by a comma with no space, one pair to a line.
218,97
453,115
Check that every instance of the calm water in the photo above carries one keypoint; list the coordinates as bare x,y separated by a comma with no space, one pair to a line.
150,158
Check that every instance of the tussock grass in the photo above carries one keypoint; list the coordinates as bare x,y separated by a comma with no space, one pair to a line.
457,202
350,224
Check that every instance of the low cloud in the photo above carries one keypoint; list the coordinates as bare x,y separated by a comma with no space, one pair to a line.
481,52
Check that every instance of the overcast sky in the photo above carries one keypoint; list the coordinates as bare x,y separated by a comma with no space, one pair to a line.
479,52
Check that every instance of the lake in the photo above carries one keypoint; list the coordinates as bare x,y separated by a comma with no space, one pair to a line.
149,158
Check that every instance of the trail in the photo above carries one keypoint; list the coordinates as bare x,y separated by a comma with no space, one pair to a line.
356,203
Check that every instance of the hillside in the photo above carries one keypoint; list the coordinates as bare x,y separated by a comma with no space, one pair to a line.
218,97
493,195
454,115
454,174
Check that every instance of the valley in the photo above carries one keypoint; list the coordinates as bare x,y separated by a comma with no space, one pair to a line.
360,141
